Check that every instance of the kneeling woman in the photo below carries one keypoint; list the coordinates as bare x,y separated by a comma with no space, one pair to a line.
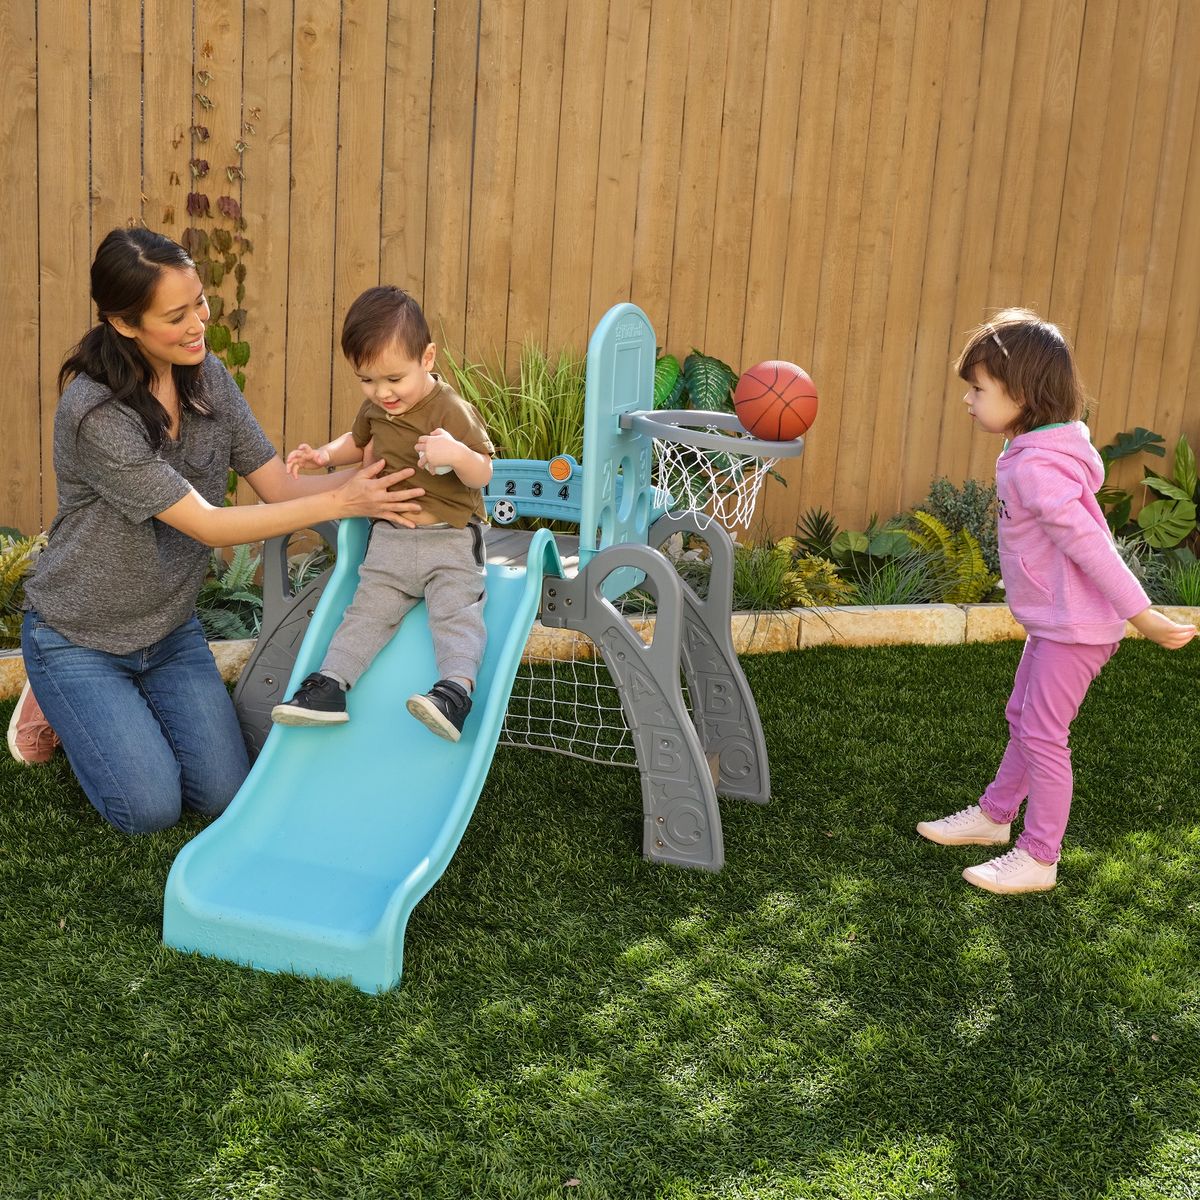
148,426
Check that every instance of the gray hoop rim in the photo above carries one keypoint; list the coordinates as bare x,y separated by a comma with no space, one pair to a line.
689,426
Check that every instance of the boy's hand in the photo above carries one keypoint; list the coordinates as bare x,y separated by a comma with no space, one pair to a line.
305,456
438,452
1162,630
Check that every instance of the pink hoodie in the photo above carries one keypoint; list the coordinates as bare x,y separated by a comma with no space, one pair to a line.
1063,577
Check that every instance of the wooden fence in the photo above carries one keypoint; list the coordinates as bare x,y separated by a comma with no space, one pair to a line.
848,184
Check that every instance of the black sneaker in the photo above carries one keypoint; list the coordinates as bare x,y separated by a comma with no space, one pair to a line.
443,708
319,701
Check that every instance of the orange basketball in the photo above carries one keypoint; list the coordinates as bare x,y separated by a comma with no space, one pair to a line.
775,401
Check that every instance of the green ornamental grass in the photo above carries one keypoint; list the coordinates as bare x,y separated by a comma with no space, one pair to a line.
835,1015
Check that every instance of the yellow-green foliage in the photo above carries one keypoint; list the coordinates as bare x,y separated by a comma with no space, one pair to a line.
970,580
16,561
812,581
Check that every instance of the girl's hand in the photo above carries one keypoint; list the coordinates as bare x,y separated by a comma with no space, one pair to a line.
305,456
366,494
438,452
1162,630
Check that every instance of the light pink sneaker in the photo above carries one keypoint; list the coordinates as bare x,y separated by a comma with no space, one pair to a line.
969,827
31,741
1012,873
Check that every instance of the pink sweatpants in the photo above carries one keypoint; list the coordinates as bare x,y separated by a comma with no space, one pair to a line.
1051,682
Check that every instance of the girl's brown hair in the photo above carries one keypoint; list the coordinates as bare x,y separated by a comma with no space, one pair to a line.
380,318
1030,358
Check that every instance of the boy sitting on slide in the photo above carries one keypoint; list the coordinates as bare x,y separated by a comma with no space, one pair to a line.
410,418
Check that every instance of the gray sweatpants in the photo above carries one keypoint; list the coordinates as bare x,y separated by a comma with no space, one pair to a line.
442,564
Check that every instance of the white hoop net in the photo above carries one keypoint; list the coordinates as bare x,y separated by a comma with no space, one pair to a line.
717,485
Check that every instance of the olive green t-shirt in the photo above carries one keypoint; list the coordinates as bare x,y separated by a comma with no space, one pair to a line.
446,497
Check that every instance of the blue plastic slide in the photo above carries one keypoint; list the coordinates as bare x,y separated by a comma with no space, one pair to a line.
338,832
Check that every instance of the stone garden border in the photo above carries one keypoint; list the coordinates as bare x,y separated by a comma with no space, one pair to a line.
753,633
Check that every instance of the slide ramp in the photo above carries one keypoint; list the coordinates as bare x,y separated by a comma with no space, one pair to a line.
337,833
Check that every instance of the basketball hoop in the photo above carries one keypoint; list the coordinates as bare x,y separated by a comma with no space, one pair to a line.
705,462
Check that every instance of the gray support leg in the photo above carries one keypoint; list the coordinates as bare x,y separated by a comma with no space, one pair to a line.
284,624
723,706
682,823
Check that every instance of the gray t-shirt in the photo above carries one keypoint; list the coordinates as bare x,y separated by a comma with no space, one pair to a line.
112,577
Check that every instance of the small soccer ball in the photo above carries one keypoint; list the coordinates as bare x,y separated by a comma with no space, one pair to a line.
504,512
775,401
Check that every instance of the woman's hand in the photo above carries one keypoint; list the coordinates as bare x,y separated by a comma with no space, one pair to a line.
305,456
1170,635
366,494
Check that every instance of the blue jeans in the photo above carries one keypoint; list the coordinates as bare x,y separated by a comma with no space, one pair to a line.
146,733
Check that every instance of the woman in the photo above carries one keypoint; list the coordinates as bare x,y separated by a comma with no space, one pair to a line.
147,428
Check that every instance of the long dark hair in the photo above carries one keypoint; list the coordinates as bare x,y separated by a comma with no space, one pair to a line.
125,272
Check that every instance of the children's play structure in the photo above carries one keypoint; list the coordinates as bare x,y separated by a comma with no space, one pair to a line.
338,832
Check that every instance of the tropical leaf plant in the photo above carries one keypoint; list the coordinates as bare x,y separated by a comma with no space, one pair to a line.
17,557
1172,520
1117,503
816,531
230,602
668,382
968,579
709,382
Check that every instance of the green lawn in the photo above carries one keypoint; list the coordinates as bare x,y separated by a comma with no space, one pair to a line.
836,1014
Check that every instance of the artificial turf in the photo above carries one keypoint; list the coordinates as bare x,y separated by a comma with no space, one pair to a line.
835,1014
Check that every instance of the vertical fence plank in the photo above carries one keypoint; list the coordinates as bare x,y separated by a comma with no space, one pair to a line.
116,142
932,384
880,263
578,157
783,70
1081,183
218,62
836,276
406,144
659,180
310,340
1105,217
1132,248
493,178
1163,267
218,94
695,212
1053,146
1019,156
736,161
167,104
926,216
1178,406
266,207
620,154
979,226
20,495
534,197
64,246
357,232
448,224
807,234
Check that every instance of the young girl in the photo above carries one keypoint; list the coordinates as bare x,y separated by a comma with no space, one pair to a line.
147,428
1064,581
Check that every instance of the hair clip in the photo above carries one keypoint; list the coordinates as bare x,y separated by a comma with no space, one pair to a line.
996,339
